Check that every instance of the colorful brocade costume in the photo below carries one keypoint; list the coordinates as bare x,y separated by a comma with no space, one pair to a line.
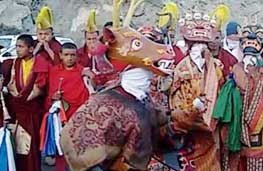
189,142
248,78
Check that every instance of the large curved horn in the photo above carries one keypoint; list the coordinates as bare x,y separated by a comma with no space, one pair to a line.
116,13
133,6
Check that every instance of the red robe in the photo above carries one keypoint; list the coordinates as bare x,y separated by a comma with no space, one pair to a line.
43,62
85,59
228,61
75,92
178,54
27,113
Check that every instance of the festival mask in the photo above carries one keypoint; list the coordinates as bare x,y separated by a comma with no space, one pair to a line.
198,27
252,40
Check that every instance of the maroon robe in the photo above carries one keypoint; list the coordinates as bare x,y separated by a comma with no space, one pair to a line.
178,54
43,62
27,113
85,59
228,61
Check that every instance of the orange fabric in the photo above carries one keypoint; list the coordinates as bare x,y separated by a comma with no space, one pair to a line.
63,115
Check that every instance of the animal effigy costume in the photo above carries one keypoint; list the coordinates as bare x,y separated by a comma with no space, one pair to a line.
113,130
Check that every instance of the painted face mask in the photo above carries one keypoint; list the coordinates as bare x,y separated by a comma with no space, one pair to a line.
252,40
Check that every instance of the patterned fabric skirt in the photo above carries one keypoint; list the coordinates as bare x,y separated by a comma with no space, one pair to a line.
107,126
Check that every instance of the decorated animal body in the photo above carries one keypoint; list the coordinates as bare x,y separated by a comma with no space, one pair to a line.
131,47
113,129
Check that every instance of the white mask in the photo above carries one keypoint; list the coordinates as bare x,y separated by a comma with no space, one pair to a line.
249,60
232,44
196,55
137,82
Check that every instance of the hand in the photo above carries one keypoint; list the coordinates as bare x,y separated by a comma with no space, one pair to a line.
87,72
57,95
46,46
207,54
49,50
200,103
37,48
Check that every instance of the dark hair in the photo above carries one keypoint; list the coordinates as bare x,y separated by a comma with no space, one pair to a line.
27,39
85,32
68,45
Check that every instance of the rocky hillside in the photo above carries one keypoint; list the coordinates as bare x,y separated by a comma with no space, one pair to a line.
70,16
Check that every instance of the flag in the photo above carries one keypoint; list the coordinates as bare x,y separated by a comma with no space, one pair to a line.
6,150
50,129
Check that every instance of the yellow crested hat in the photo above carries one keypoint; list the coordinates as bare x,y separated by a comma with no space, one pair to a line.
44,19
221,14
91,24
169,7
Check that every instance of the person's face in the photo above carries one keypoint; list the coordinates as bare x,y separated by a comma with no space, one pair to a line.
91,40
68,57
23,50
44,35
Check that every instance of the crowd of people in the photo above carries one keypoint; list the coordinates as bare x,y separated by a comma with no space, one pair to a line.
204,115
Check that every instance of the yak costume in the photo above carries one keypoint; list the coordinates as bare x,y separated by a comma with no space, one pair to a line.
114,129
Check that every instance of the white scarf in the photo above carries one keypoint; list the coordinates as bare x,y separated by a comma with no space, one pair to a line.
233,47
196,55
136,82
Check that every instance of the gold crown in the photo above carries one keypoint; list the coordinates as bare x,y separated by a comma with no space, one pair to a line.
44,19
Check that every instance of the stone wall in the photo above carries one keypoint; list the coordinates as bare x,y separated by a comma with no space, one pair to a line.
70,16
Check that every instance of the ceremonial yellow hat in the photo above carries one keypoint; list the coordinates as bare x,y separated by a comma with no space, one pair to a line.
169,7
91,24
221,15
44,19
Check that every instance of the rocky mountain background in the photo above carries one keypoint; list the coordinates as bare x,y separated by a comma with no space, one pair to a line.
70,16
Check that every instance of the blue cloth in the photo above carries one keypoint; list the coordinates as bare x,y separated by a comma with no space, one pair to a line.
232,28
50,148
3,154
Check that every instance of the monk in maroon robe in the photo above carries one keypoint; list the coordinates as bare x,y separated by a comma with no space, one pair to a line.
47,47
67,77
93,56
25,104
